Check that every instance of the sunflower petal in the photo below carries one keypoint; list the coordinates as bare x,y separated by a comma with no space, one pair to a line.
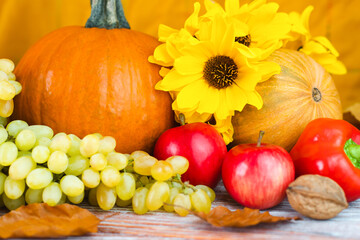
161,55
210,100
254,99
174,81
192,23
223,111
236,98
190,95
164,32
268,69
188,65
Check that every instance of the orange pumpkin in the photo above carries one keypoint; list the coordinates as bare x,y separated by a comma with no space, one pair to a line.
302,92
96,78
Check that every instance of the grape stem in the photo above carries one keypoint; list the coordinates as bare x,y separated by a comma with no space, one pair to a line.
186,184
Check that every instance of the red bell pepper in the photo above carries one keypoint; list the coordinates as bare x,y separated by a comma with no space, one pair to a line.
329,147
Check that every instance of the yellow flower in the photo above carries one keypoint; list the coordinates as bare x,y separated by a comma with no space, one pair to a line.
175,39
226,129
214,76
258,25
319,48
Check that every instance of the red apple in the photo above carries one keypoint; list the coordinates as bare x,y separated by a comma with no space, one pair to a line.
201,144
257,175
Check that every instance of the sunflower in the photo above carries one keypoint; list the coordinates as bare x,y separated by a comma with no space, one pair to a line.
214,77
258,25
319,48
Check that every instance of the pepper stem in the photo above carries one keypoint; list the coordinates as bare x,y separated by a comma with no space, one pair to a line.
261,134
107,14
352,150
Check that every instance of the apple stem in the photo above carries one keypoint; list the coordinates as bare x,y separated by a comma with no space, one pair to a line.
261,134
182,119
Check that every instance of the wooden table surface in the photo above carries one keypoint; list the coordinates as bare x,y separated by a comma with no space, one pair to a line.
122,223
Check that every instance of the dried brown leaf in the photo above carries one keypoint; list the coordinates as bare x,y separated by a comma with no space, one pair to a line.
39,220
223,217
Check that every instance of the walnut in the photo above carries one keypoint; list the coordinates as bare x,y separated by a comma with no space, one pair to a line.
316,197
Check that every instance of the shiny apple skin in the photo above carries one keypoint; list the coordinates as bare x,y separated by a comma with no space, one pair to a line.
201,144
257,177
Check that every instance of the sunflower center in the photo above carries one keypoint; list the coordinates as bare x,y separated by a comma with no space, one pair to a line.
220,71
246,40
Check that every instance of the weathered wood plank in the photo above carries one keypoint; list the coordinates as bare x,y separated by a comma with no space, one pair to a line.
122,223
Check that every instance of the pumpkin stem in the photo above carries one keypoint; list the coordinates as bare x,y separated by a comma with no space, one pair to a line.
261,134
107,14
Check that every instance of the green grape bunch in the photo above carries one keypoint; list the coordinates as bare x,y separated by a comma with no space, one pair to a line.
37,166
9,88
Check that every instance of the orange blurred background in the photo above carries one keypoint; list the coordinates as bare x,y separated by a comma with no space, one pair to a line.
23,22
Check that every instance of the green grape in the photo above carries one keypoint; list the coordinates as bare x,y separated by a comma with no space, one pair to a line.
188,190
126,188
2,182
208,191
16,85
75,145
8,153
3,122
6,65
62,199
52,194
117,160
6,107
142,165
24,154
41,131
90,178
77,164
7,90
98,135
33,195
182,204
123,203
25,140
14,188
106,145
158,194
138,154
200,201
162,171
106,197
92,197
40,154
43,141
11,76
142,181
98,161
71,185
58,162
60,142
77,199
3,75
179,164
89,145
39,178
173,193
3,135
110,176
13,204
14,127
21,168
139,200
176,185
